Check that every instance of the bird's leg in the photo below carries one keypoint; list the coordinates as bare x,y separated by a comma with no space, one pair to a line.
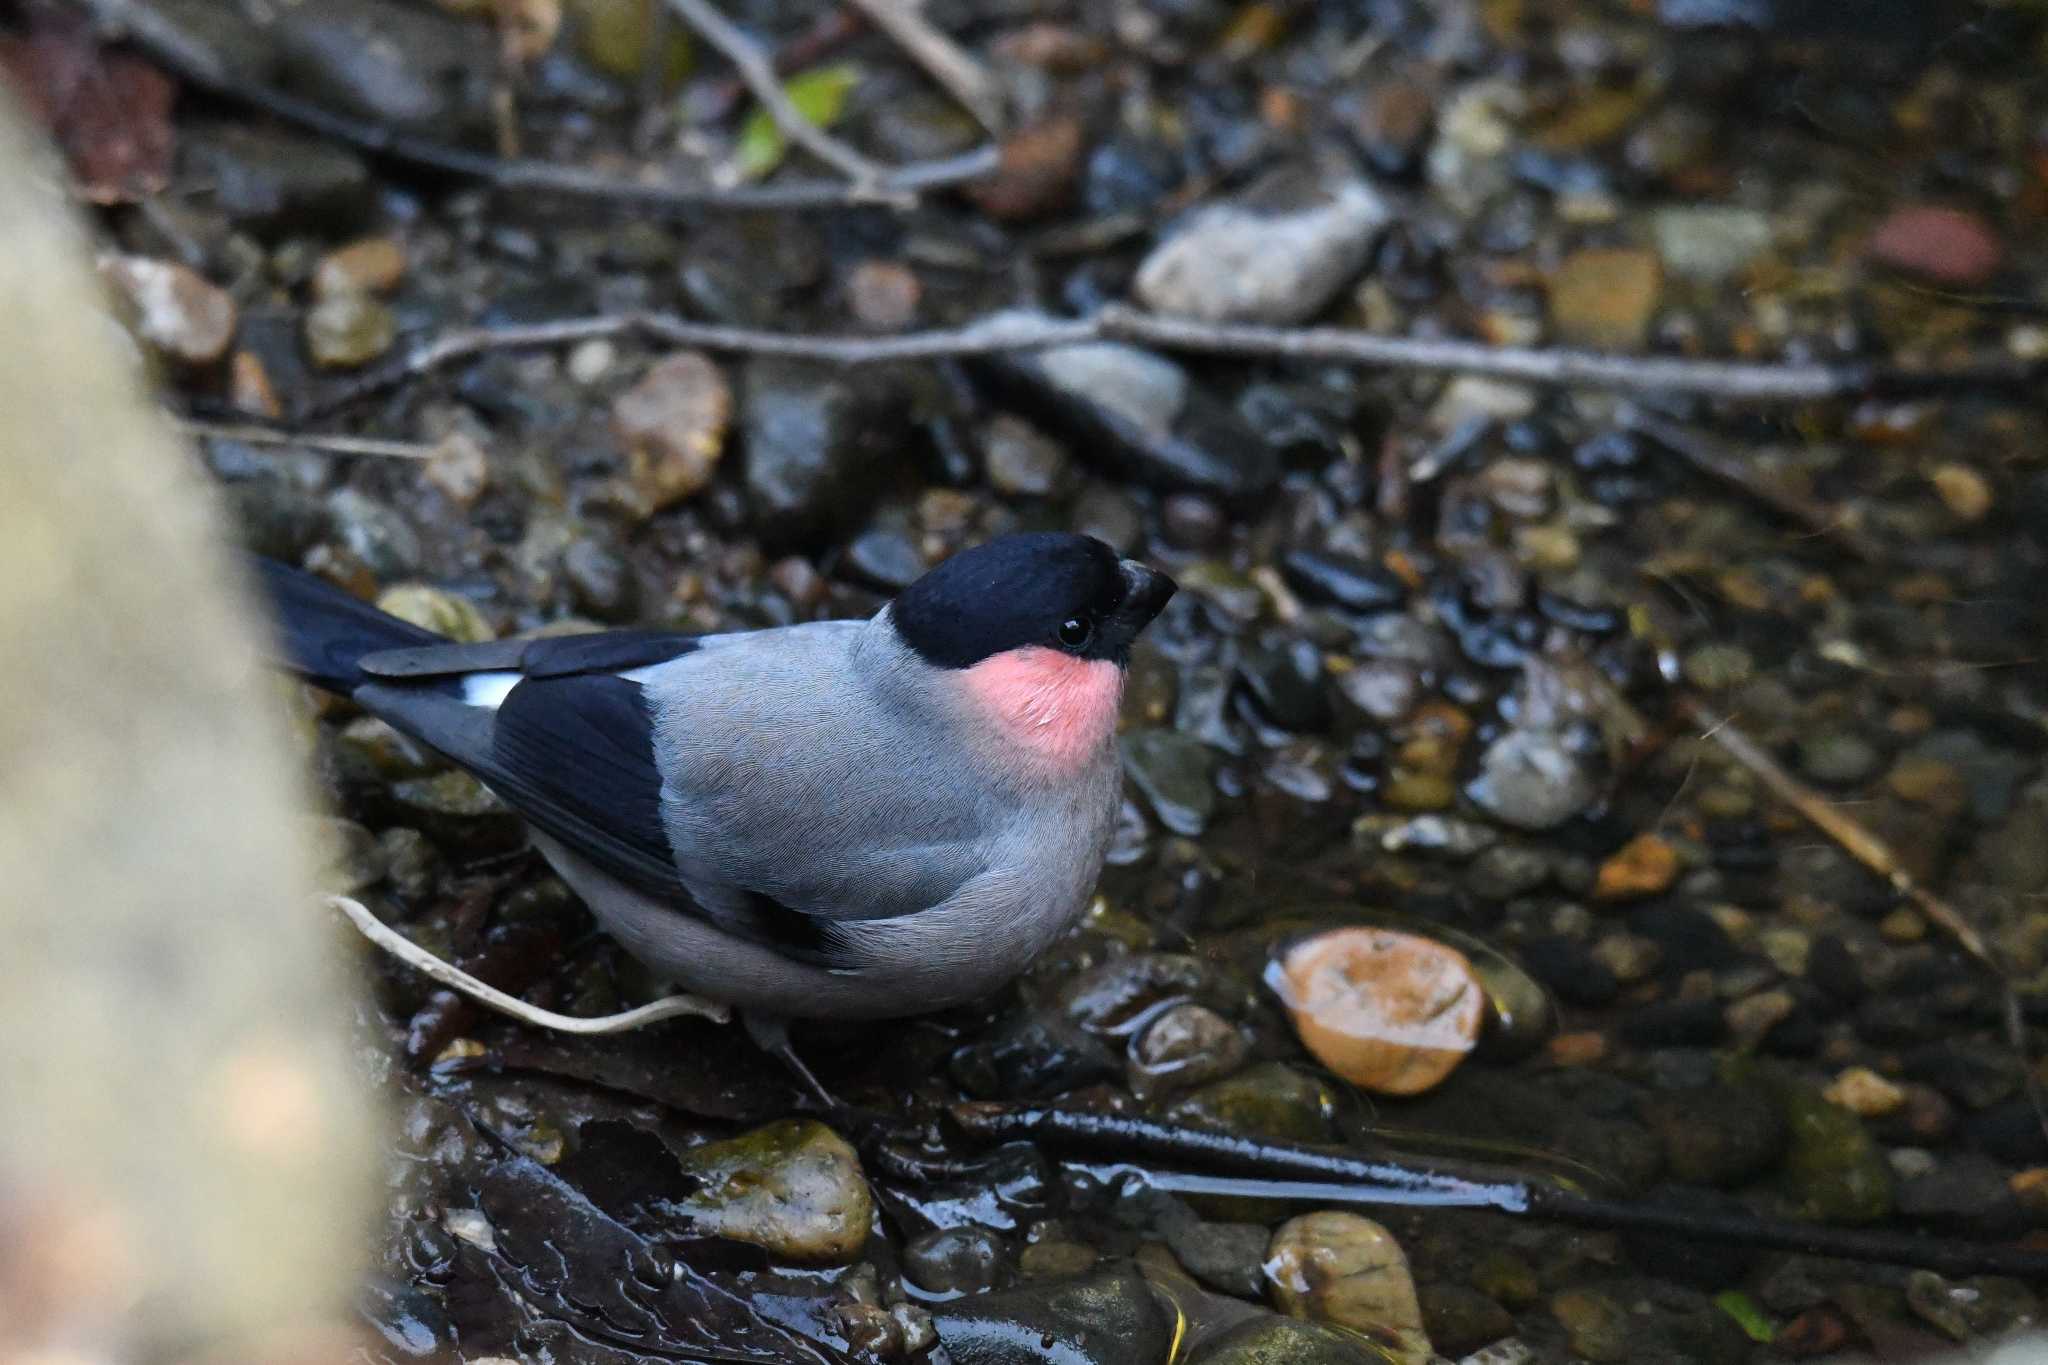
770,1033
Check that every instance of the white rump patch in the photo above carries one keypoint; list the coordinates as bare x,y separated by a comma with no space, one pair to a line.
488,689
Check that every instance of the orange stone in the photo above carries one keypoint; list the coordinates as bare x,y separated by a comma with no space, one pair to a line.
1390,1012
1645,866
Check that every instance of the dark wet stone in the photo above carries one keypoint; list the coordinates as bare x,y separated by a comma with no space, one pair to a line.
1596,1325
820,444
275,182
414,868
1832,1169
1270,1339
1286,681
1118,996
2010,1132
1225,1256
1188,1044
1268,1100
1886,1020
457,813
963,1260
1021,460
1032,1056
1460,1320
601,583
885,557
1105,513
374,533
275,517
411,1324
388,63
1106,1318
1717,1135
1834,968
1376,692
1342,581
1506,871
1176,776
1838,757
1688,936
1142,413
1675,1023
1974,1072
1568,967
1965,1192
1193,522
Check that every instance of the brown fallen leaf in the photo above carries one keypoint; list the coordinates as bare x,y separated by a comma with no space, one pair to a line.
109,111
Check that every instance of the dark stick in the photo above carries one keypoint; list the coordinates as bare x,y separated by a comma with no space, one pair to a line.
1277,1166
197,68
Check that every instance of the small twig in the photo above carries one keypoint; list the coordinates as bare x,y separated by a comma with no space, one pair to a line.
453,977
1007,333
944,60
870,178
1708,456
1866,848
334,443
712,100
197,67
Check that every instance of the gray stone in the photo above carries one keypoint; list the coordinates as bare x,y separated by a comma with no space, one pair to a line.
1277,253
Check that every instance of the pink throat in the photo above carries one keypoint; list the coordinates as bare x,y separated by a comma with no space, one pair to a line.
1058,708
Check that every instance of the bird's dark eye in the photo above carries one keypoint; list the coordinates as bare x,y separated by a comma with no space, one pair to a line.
1075,632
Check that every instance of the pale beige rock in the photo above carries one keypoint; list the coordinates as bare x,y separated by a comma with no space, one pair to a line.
184,1155
1347,1270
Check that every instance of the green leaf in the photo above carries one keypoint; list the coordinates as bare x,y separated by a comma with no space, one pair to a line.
818,94
1747,1315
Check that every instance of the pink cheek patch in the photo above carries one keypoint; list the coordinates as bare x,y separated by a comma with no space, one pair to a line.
1060,708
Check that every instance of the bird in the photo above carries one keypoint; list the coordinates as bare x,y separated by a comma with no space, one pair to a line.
845,820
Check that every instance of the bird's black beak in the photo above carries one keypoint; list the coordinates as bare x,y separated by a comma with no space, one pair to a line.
1146,592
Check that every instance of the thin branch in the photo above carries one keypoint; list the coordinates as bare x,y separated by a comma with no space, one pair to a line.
945,61
1866,848
1710,458
870,178
453,977
197,67
1013,332
249,433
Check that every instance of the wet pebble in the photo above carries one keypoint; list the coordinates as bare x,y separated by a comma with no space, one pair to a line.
1187,1045
1645,866
819,444
1266,1100
1710,242
435,609
1031,1056
794,1188
1349,1271
1947,245
1838,757
1832,1168
369,265
1021,460
1175,774
1605,296
1717,1135
1864,1093
1270,1340
1228,1257
277,182
178,313
1391,1012
964,1260
410,1323
1286,681
459,814
673,424
1277,253
1342,581
344,331
1596,1326
1461,1320
1104,1318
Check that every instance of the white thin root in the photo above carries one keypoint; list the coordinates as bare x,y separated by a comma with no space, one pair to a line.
455,979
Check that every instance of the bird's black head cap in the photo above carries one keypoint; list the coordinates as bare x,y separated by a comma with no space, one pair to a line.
1058,591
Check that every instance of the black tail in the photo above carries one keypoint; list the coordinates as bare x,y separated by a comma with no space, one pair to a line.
322,631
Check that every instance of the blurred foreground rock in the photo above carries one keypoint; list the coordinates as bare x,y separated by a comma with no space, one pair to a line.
181,1170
